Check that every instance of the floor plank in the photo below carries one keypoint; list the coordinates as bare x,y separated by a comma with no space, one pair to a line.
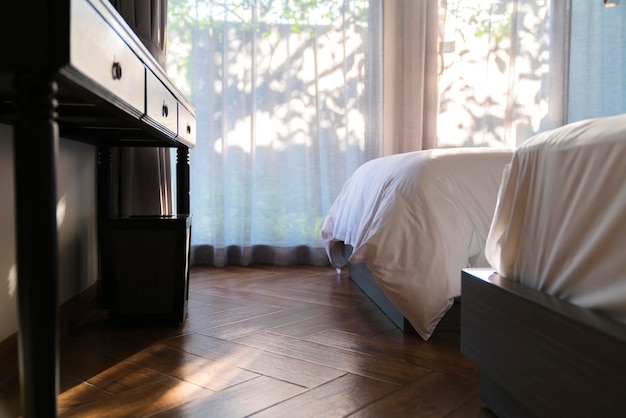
289,369
213,375
237,401
377,367
421,353
265,322
144,401
335,399
435,395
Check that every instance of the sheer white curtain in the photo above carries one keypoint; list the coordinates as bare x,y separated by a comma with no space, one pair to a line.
473,72
503,70
410,93
597,70
512,68
288,96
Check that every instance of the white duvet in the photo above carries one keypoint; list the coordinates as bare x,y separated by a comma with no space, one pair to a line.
417,219
560,221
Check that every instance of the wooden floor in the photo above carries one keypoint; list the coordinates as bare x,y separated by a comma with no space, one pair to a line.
262,342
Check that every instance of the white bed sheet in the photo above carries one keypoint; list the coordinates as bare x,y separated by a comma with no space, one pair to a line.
417,219
559,224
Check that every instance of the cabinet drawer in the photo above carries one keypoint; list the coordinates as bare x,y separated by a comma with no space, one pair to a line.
99,53
186,127
161,105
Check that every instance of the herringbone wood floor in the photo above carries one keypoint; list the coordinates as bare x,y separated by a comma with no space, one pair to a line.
264,342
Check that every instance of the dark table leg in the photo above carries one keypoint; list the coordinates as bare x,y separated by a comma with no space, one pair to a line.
35,152
182,181
107,207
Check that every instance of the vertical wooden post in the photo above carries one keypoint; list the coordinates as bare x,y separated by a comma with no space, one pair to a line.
182,181
107,208
35,153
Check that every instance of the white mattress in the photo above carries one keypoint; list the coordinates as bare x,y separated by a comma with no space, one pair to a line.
417,219
560,221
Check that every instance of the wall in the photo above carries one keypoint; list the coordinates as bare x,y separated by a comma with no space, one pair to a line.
78,257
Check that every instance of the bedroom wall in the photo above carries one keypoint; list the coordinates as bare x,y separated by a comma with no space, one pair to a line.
78,262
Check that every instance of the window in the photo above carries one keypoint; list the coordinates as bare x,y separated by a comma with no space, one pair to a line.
286,96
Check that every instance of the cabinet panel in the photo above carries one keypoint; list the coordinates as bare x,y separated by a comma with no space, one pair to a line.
186,127
100,54
161,105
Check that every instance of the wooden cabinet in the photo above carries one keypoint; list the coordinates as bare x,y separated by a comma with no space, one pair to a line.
72,68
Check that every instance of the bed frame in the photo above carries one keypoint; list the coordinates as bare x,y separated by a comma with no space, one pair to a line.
540,356
362,276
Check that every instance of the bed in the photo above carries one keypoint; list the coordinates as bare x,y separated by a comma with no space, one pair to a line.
406,225
546,324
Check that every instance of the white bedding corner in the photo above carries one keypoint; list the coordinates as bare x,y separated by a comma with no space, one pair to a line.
417,219
559,222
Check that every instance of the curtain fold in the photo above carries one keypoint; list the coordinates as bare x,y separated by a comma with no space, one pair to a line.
561,18
411,38
145,181
597,77
149,19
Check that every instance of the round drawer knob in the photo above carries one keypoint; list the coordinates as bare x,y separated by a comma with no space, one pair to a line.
165,111
116,71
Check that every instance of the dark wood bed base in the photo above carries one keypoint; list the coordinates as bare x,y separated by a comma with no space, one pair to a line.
540,356
362,276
